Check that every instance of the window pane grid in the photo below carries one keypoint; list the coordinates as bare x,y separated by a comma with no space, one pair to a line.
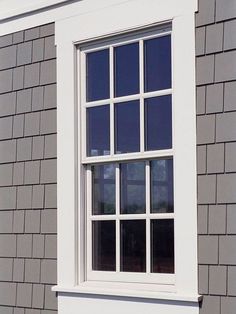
143,94
119,219
119,93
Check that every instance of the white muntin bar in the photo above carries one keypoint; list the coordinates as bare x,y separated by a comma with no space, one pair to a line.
141,83
117,219
88,220
142,94
112,111
148,233
167,153
133,216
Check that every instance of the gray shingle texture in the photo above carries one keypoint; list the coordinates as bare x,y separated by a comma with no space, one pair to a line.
27,229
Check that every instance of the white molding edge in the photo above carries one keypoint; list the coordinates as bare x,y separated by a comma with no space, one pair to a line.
129,293
26,7
28,18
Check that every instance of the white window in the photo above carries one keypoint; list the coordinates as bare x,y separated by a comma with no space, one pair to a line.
128,154
127,219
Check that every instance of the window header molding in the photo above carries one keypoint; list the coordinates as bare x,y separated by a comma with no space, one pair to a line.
108,16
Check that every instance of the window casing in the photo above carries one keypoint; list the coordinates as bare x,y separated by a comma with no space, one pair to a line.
101,22
127,129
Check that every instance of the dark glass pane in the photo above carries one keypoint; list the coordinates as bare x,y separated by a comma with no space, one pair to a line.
97,71
157,64
127,127
162,246
158,123
98,131
133,197
104,189
133,246
104,245
162,186
126,70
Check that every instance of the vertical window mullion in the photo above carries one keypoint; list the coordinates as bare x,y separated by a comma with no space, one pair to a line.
83,109
88,218
148,233
141,84
117,218
112,114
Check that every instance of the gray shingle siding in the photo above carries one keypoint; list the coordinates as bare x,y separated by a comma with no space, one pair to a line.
28,164
216,154
28,172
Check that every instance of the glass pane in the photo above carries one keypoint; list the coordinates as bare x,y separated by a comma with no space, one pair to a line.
104,245
162,246
97,70
98,131
126,70
162,186
157,64
133,246
127,127
158,123
104,189
133,196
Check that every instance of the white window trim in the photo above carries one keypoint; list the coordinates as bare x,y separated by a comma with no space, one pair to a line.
97,24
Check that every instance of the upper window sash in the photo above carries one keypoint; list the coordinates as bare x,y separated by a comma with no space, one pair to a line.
112,154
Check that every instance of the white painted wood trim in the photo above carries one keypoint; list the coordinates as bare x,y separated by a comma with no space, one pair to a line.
79,8
129,293
13,9
79,29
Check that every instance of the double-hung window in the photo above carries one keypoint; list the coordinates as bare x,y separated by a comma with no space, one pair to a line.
127,216
128,157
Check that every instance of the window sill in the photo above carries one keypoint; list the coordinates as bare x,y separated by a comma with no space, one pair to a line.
168,296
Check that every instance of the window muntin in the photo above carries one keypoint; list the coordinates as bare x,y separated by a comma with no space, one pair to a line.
135,136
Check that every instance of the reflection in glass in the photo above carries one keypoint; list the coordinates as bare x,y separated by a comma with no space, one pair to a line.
98,130
97,73
133,199
157,64
158,123
127,127
133,246
104,244
162,246
126,60
162,186
103,189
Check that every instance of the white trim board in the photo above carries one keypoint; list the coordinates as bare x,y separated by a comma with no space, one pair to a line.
96,22
45,13
13,8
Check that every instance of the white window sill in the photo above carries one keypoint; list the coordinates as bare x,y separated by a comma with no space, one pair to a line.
86,289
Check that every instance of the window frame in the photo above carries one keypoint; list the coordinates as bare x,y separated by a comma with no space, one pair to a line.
79,30
126,38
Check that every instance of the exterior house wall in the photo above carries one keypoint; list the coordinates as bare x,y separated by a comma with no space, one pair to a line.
28,172
28,164
216,150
